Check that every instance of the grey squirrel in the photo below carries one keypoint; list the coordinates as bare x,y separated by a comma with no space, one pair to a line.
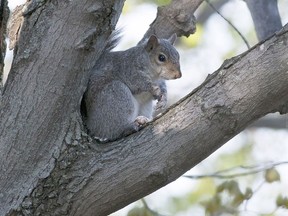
123,85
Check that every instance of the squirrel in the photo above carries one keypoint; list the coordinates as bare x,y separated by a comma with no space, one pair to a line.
123,84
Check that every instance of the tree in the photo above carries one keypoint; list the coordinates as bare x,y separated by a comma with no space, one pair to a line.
50,166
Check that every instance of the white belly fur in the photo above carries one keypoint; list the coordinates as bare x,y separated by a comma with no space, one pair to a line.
145,104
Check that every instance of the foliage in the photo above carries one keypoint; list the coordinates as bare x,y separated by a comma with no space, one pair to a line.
228,191
226,198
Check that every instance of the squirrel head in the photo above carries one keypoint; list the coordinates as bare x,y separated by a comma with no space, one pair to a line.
164,57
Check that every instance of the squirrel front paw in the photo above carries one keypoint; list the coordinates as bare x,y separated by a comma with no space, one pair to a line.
160,96
156,92
161,103
140,121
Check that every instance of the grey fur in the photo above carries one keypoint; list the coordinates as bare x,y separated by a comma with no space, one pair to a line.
123,85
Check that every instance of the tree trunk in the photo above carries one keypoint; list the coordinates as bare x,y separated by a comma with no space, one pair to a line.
51,166
59,43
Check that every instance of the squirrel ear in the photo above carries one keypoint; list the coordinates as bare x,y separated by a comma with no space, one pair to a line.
152,43
173,38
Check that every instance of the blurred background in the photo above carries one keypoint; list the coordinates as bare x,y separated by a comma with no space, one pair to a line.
249,174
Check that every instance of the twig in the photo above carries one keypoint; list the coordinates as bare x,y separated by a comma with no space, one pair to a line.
254,192
256,169
149,209
234,27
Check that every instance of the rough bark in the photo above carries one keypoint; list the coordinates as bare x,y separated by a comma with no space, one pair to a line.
95,179
51,166
4,13
15,24
176,17
58,44
266,18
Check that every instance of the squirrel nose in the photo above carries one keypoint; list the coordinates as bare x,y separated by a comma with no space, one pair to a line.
178,74
178,71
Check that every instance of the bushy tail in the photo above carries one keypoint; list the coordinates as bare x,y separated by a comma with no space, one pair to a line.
113,39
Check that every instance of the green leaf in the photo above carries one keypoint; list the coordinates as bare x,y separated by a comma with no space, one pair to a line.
238,200
233,188
282,201
248,193
163,2
279,201
137,211
272,175
213,205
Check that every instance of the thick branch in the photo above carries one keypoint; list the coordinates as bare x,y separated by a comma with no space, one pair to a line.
274,121
111,176
176,17
78,177
265,16
240,92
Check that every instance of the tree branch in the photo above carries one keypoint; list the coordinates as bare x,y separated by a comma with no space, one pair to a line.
4,14
230,23
172,144
274,121
228,101
51,167
176,17
265,16
239,171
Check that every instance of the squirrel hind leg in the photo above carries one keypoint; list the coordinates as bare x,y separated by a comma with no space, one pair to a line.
135,126
112,112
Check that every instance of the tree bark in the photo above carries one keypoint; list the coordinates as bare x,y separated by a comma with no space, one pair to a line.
176,17
4,14
59,43
51,166
110,176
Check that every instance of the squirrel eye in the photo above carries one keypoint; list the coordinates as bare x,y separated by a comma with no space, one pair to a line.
162,58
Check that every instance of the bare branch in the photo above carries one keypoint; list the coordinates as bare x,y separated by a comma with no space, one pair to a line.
274,121
146,206
231,24
176,17
172,144
265,16
248,170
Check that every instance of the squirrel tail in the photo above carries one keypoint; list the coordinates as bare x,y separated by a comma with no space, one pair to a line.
113,40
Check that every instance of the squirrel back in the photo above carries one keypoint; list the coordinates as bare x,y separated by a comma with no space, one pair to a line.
123,85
